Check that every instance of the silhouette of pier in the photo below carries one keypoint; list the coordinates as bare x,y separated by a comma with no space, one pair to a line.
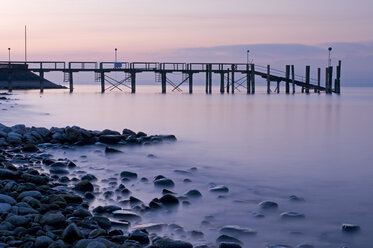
233,76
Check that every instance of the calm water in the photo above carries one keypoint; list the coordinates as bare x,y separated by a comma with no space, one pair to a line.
262,147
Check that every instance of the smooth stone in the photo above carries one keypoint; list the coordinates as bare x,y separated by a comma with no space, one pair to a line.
227,239
43,242
305,246
350,228
164,182
295,198
152,227
257,215
268,205
166,191
8,174
5,208
102,222
89,196
292,215
196,234
96,244
33,193
237,230
58,165
17,220
56,219
110,139
193,193
169,200
279,246
29,148
96,233
126,215
71,233
219,189
229,245
139,236
82,213
89,177
170,243
106,209
128,132
58,171
182,172
7,199
128,174
84,186
109,150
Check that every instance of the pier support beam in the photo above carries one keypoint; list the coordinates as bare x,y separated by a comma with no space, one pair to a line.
233,69
210,78
102,77
337,86
287,83
190,82
10,86
207,79
71,81
222,74
252,78
133,82
326,80
293,77
268,79
308,79
164,81
248,79
318,79
330,79
228,80
41,76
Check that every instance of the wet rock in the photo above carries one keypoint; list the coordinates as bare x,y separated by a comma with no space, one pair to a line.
219,189
96,233
237,231
167,137
81,213
139,236
193,193
34,194
279,246
169,200
58,165
196,234
257,215
84,186
166,191
164,182
135,202
17,220
89,196
108,132
128,175
7,174
305,246
126,215
168,243
89,177
106,209
109,150
7,199
268,205
227,239
151,227
128,132
102,222
56,219
182,172
58,171
110,139
187,180
71,233
350,228
292,215
295,198
5,208
29,148
229,245
14,138
43,242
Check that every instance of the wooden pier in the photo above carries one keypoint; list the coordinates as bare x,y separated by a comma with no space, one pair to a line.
233,76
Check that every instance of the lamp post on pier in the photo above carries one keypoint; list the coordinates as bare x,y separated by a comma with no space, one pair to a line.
247,56
9,54
329,58
116,54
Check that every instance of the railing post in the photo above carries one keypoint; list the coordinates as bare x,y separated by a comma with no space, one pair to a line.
228,80
71,80
207,79
307,79
326,80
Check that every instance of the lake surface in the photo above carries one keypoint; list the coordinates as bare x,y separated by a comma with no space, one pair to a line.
262,147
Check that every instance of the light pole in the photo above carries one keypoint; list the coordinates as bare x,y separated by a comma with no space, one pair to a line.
247,56
329,58
9,54
116,52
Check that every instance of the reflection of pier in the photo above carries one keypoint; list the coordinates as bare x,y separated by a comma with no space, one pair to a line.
229,81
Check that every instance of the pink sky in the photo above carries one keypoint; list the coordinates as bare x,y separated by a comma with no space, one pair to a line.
91,29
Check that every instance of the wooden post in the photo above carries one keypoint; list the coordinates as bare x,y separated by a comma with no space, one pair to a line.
268,79
10,87
228,80
207,79
133,82
222,74
330,79
293,77
233,69
337,86
190,82
287,84
326,80
278,87
210,78
248,79
308,79
41,76
71,81
253,78
318,79
164,81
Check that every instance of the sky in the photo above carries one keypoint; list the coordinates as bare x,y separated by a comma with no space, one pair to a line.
161,29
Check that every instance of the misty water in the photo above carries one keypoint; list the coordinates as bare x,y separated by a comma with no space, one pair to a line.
262,147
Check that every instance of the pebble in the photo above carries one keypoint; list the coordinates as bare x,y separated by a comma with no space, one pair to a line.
169,200
350,228
128,175
237,230
164,182
268,205
219,189
292,215
193,193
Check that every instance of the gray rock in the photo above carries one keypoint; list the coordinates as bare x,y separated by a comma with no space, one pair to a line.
84,186
268,205
56,219
170,243
193,193
128,132
151,227
169,200
33,194
17,220
58,244
96,244
82,213
89,177
109,150
237,231
292,215
102,222
58,171
84,243
229,245
164,182
126,215
227,239
7,174
110,139
29,148
305,246
7,199
58,165
139,236
5,208
71,233
350,228
14,138
128,175
219,189
43,242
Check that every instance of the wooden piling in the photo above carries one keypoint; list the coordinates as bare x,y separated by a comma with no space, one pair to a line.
133,82
164,81
233,69
71,81
308,79
268,79
190,83
278,87
287,75
318,79
330,79
222,74
337,86
10,86
293,77
41,76
207,79
248,79
210,78
252,78
326,80
228,80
